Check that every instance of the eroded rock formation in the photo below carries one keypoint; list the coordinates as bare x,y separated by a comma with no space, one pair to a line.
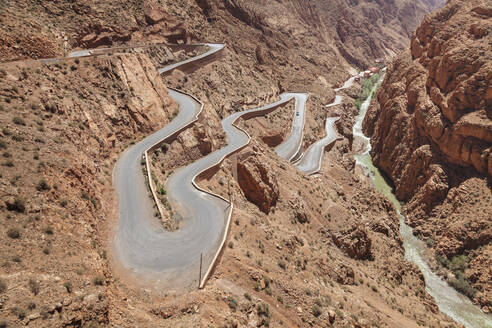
431,131
258,183
355,242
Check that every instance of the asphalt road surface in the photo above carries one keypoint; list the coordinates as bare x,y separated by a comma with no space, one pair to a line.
290,149
310,163
172,259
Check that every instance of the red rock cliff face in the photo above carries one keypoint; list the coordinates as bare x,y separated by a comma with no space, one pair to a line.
368,30
431,132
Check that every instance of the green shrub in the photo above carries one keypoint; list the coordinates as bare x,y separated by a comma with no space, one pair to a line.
17,137
358,103
98,281
463,286
263,310
18,205
48,230
459,263
316,310
33,286
247,296
68,286
13,233
3,286
19,121
443,261
43,185
282,264
86,196
19,313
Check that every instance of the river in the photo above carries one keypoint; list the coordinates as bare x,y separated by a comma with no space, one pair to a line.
450,302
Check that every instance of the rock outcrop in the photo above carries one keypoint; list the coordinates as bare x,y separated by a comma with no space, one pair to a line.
431,130
355,242
258,183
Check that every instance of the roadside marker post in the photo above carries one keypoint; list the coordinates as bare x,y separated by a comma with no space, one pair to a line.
200,275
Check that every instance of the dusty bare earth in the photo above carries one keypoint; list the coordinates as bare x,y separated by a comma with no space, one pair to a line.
432,135
317,251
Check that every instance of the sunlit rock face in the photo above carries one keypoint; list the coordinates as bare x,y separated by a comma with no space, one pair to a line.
431,131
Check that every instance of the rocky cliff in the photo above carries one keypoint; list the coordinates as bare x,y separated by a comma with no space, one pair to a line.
360,31
63,126
364,31
431,132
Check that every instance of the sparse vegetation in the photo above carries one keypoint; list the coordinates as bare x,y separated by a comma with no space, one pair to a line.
68,286
19,312
263,310
458,265
367,86
13,233
33,286
43,185
86,196
8,163
232,303
18,205
98,281
19,121
3,286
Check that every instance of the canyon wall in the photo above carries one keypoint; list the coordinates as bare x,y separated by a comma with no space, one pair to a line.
431,132
360,31
329,248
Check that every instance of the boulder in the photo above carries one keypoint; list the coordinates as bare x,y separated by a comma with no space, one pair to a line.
355,242
258,183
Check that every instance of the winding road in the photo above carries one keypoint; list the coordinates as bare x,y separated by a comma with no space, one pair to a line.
290,149
310,161
213,48
172,259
